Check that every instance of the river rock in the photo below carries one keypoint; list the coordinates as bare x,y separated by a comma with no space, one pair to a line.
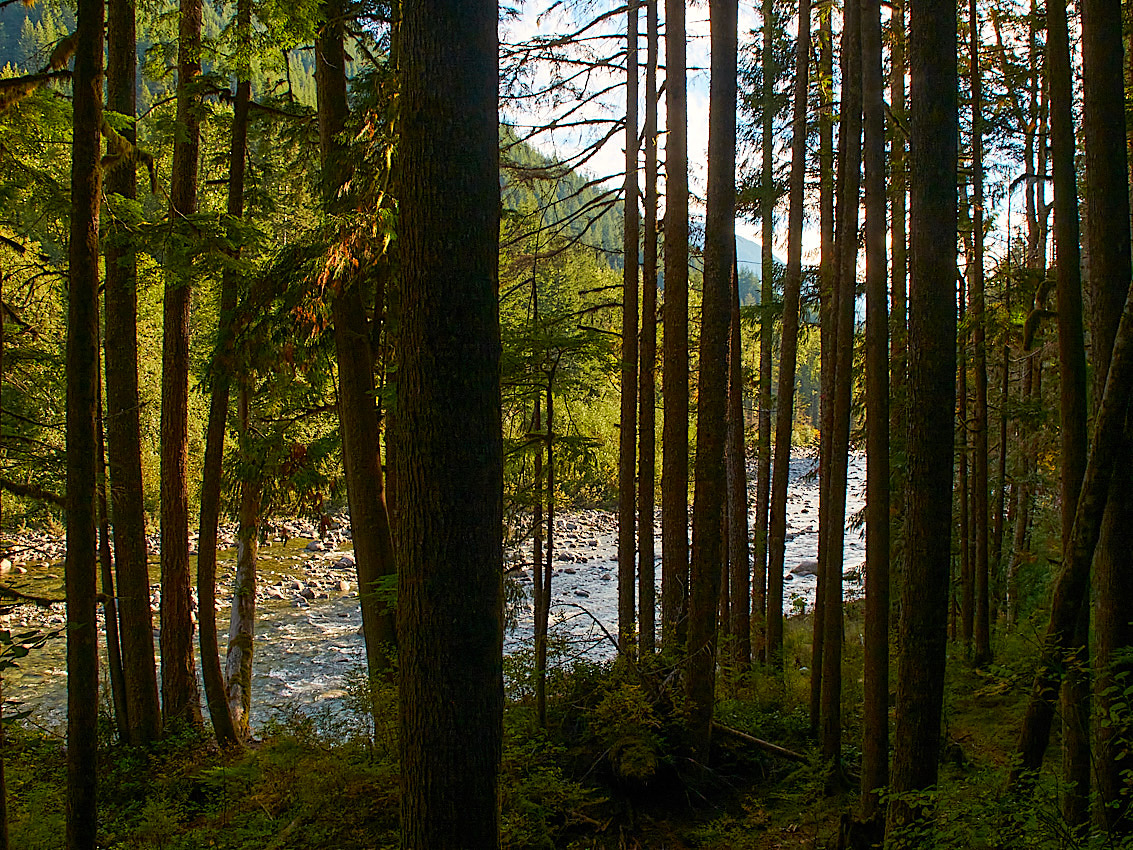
343,586
805,568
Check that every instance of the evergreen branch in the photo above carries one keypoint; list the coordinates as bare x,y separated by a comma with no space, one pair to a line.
31,491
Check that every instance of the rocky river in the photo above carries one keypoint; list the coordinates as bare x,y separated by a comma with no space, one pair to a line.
308,616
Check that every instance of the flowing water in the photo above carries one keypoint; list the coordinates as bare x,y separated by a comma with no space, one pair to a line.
308,619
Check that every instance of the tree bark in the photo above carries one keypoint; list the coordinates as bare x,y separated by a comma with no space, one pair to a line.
449,546
1107,239
1073,579
106,578
831,555
709,499
357,411
123,438
222,718
242,622
933,146
826,337
769,583
647,374
180,700
875,711
627,432
789,338
82,442
982,624
674,375
738,561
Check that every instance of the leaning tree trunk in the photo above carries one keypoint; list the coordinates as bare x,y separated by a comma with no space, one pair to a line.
933,146
627,431
710,496
1073,579
222,719
674,375
180,700
450,511
1107,235
82,442
123,429
875,711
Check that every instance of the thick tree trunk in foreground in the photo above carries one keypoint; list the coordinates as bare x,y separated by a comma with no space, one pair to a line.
180,700
449,544
82,443
674,376
933,146
875,712
627,432
709,499
123,429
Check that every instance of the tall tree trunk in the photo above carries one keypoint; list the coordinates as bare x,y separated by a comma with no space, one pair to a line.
898,317
1072,367
1107,238
222,720
4,832
674,374
106,577
647,374
982,624
357,411
242,623
82,442
627,432
180,700
709,500
831,555
826,336
875,712
933,143
540,589
788,345
449,547
123,440
739,565
769,582
967,599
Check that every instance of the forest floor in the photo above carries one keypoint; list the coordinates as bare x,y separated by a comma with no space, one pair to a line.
608,773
